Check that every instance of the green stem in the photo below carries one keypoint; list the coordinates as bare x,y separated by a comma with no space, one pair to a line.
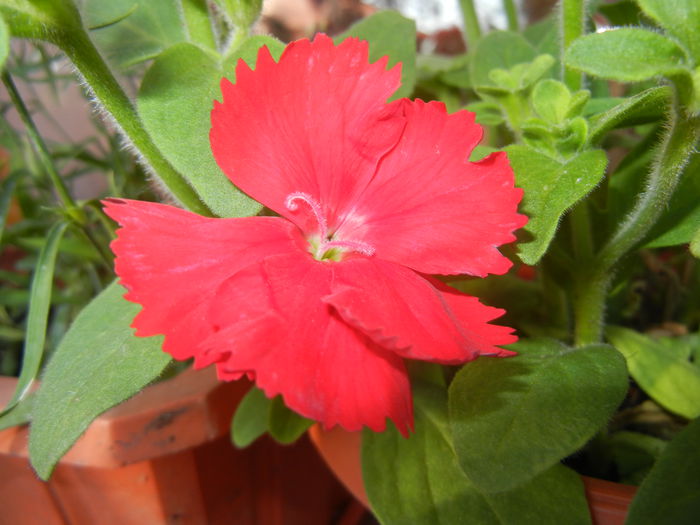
582,237
112,98
41,150
472,30
591,288
511,14
573,26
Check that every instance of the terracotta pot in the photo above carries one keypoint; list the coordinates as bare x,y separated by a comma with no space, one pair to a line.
164,457
608,502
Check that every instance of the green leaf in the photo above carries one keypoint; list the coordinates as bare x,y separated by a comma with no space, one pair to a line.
515,418
175,103
418,480
389,34
286,426
681,218
626,54
695,244
670,380
634,454
147,30
498,50
83,380
199,25
38,316
681,18
242,12
4,42
551,187
41,19
7,190
20,414
551,99
250,419
670,495
648,106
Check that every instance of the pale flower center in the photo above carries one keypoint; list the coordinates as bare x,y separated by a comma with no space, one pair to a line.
325,246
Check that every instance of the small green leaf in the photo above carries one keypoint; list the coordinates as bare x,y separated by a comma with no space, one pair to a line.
670,380
626,55
487,113
648,106
681,18
286,426
551,187
175,102
250,419
38,316
242,12
515,418
670,495
4,42
389,34
83,380
498,49
198,23
149,29
634,454
551,100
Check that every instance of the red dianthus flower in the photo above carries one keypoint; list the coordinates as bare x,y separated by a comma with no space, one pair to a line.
323,304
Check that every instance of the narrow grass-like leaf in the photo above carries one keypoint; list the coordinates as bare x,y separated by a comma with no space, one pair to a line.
98,364
251,417
6,193
4,42
37,318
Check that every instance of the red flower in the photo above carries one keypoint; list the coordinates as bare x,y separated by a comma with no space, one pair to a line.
322,304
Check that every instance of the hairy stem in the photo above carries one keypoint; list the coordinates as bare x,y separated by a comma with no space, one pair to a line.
511,14
590,289
572,26
112,98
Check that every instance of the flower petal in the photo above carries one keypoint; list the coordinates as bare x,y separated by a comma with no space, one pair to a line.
324,369
172,261
415,317
429,208
314,123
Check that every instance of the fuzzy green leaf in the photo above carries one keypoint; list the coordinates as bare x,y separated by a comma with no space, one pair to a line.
175,102
551,99
670,495
681,18
83,380
498,50
129,32
250,419
515,418
626,55
425,485
551,187
389,34
668,378
648,106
